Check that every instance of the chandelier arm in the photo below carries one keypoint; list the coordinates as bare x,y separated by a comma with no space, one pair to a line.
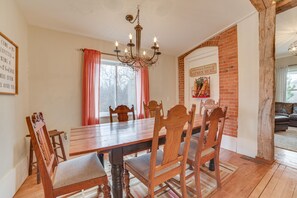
124,60
153,56
131,53
121,60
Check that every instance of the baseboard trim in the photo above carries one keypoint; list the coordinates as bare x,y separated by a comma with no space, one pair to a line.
229,143
15,177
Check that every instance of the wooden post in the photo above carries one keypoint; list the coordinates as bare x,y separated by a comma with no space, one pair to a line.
267,12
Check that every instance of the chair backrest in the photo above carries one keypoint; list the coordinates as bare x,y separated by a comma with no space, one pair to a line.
215,119
208,104
174,125
42,146
150,109
122,112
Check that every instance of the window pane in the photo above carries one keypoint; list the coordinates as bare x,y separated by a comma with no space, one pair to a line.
107,87
126,93
291,95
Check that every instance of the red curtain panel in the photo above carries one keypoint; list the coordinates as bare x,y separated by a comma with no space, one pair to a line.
90,87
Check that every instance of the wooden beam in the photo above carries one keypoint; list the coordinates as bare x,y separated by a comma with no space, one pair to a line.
284,5
266,84
268,3
266,79
258,4
261,5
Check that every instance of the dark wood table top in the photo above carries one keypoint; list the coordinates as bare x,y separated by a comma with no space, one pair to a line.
108,136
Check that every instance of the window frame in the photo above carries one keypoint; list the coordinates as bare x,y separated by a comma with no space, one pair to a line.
115,64
291,69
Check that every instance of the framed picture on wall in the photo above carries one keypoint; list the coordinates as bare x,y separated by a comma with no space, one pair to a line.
201,88
8,66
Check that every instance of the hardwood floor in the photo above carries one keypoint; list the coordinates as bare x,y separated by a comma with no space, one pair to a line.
252,179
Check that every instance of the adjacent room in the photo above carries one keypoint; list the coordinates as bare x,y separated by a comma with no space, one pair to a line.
286,81
145,98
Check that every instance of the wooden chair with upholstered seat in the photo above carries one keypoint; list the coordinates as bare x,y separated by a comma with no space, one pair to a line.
122,112
68,177
208,104
56,145
150,108
158,167
208,147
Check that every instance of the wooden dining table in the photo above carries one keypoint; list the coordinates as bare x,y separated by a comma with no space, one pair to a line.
118,139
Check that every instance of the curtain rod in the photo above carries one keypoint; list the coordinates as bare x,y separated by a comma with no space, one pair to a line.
108,54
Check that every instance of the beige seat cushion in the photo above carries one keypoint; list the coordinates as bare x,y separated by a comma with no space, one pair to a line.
197,135
78,170
193,149
141,164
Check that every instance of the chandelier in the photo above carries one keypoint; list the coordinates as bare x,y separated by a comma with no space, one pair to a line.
293,48
137,60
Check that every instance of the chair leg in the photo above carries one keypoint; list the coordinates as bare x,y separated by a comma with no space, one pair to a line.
127,182
99,191
217,170
183,184
54,147
62,148
30,159
38,174
151,192
197,181
106,190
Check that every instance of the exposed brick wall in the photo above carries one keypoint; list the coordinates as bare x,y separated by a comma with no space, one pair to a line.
228,75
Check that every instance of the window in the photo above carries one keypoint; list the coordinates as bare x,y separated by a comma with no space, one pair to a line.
291,89
117,86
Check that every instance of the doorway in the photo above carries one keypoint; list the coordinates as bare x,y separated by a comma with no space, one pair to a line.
285,135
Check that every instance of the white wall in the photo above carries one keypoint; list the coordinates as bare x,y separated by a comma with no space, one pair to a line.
13,109
248,76
55,75
163,82
200,57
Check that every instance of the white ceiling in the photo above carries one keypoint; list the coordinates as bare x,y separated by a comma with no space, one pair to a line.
286,31
178,24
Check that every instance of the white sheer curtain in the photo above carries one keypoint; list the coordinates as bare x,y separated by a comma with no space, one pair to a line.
281,83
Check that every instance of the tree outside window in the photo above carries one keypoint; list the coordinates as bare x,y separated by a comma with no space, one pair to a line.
117,86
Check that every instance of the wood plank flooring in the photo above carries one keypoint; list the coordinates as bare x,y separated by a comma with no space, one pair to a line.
252,179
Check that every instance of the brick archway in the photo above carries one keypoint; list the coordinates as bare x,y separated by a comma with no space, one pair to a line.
228,75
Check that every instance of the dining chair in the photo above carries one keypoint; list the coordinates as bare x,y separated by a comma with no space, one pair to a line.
68,177
158,167
206,148
122,112
208,104
150,108
56,146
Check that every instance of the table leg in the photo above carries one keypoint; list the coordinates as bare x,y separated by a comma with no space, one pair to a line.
116,161
101,158
211,165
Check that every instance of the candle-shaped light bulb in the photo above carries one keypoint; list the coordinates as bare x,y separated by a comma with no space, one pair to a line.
116,44
126,51
158,45
130,36
144,53
155,39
